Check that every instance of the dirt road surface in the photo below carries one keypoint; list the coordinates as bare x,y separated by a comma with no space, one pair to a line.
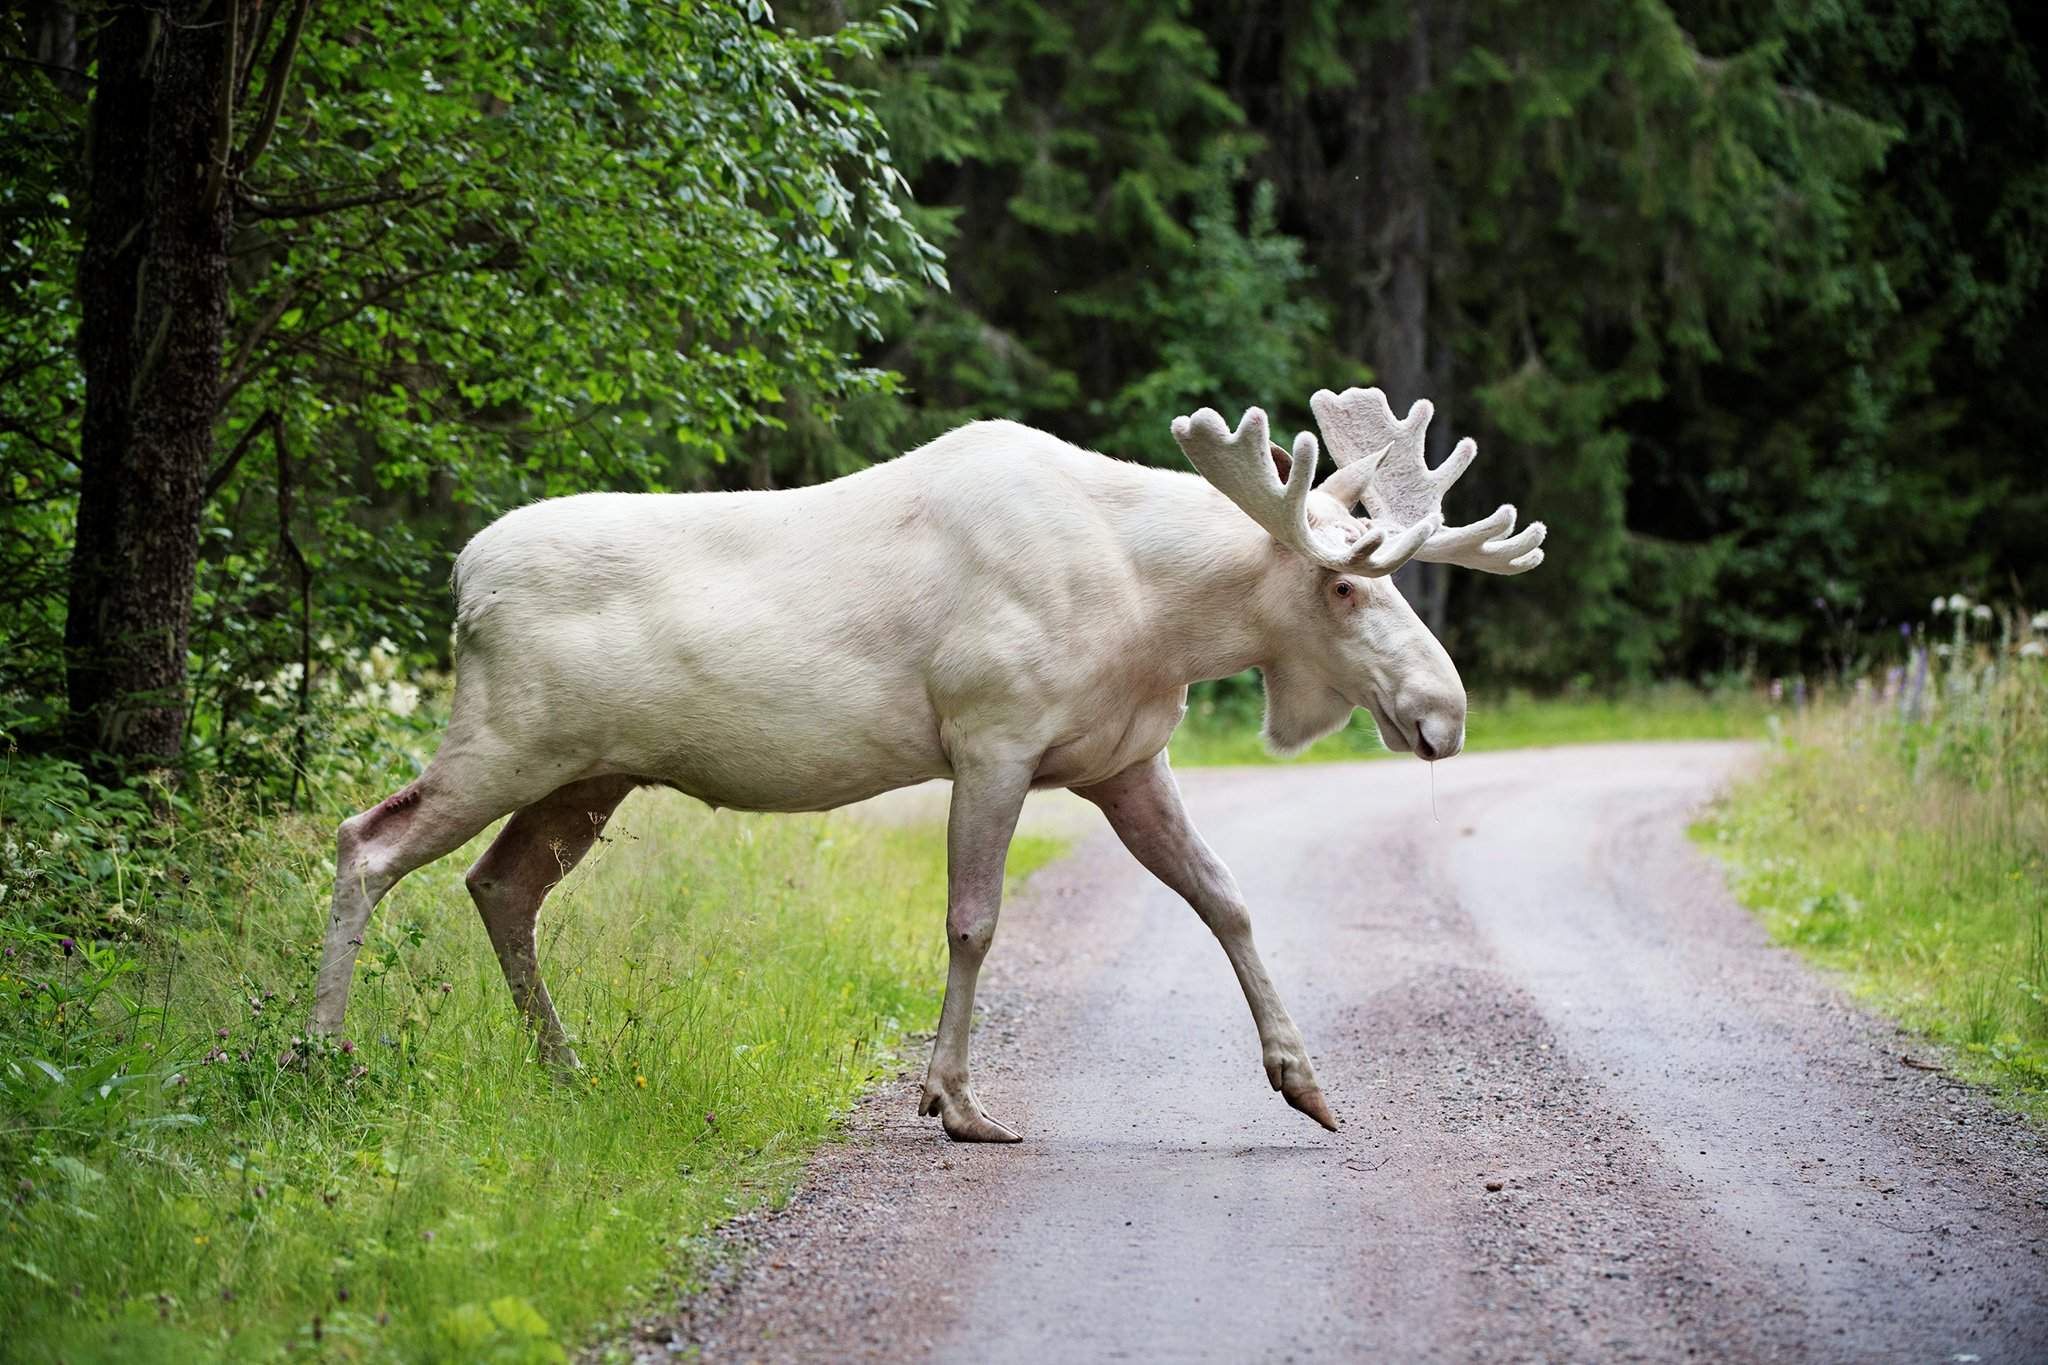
1590,1113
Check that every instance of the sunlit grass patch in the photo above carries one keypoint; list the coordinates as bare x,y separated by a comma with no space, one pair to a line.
1222,727
423,1190
1913,858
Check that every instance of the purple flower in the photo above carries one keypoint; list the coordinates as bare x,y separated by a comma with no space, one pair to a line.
68,945
220,1033
347,1046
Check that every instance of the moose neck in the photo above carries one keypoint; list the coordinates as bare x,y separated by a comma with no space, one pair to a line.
1210,577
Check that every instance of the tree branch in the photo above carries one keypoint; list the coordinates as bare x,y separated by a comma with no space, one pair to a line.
274,86
45,66
256,210
302,338
254,50
21,429
279,306
219,477
224,113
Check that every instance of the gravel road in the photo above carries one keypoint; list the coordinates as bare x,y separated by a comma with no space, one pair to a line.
1589,1113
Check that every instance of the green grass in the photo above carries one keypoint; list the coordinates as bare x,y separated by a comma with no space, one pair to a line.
429,1192
1224,728
1913,860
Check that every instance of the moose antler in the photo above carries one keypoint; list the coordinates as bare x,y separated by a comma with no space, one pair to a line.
1246,466
1380,462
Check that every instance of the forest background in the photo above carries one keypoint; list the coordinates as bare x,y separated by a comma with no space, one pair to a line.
1743,299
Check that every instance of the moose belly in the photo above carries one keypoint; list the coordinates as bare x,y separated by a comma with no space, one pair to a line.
1112,742
777,757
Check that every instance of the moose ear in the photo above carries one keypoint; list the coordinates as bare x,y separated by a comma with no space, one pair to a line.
1282,461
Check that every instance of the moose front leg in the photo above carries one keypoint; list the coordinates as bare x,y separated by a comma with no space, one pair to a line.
986,801
1144,808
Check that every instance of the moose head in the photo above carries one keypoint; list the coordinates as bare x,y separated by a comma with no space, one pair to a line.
1361,644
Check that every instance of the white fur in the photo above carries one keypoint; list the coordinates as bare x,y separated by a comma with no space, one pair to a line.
998,607
798,650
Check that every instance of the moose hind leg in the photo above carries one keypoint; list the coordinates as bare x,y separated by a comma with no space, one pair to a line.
536,850
444,809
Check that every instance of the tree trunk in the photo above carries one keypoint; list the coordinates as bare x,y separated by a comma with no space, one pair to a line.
152,291
1402,351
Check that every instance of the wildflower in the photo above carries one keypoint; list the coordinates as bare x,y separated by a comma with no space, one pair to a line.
426,1234
1981,611
220,1033
402,698
447,986
1958,603
200,1239
260,1191
640,1081
2040,622
2033,649
1938,605
347,1046
711,1117
68,945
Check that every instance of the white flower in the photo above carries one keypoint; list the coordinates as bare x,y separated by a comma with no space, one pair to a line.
1958,602
1938,605
2033,649
404,698
1941,651
2040,620
1981,612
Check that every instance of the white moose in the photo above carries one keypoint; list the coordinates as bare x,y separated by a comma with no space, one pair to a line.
997,607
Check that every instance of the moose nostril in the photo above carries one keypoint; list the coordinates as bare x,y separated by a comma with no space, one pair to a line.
1423,748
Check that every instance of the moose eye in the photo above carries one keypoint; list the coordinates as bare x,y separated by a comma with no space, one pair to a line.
1343,590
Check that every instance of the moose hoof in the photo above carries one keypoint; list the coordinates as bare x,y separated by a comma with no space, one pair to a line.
1310,1102
963,1119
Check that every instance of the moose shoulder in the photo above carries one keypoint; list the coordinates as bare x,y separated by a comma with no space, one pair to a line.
997,607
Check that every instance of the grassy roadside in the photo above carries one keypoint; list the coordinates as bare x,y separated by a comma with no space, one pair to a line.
1224,728
1913,860
422,1191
